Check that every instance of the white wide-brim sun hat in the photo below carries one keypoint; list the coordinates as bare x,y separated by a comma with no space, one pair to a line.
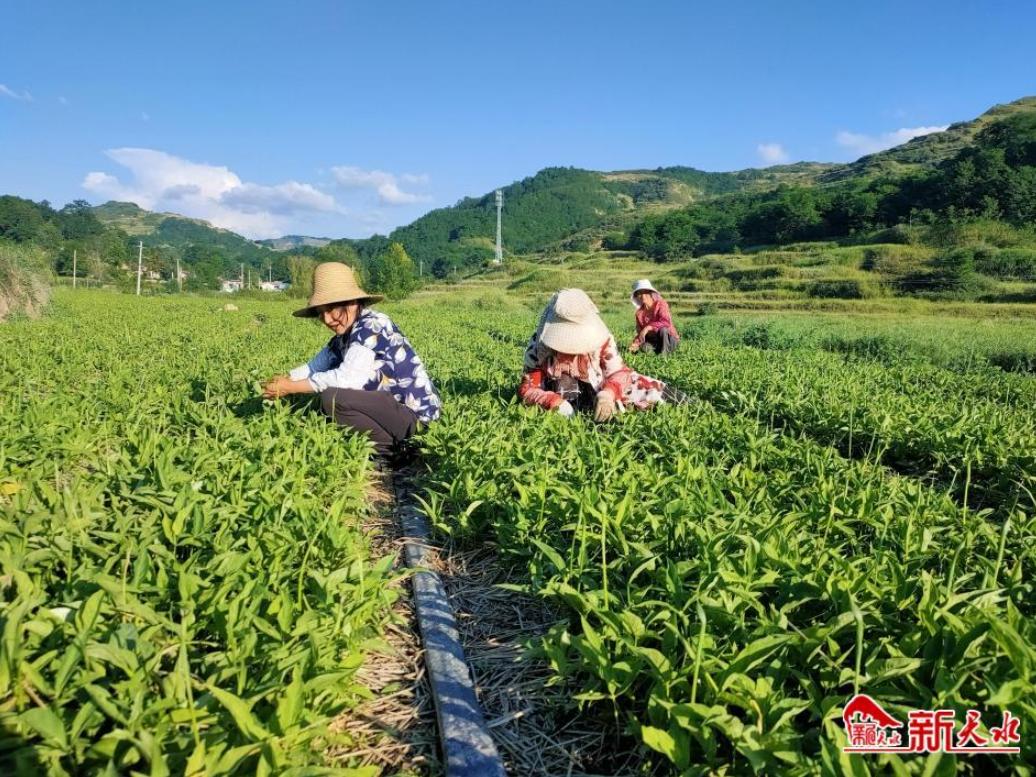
642,285
572,324
334,282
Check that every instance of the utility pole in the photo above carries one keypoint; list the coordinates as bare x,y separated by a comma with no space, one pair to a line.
179,279
74,257
140,263
420,272
499,245
242,276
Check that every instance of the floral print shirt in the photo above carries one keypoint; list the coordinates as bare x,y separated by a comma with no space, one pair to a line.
603,369
374,356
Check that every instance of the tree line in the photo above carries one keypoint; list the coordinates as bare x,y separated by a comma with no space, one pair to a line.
207,256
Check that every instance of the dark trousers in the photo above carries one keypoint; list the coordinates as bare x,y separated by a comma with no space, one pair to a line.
377,413
660,340
577,393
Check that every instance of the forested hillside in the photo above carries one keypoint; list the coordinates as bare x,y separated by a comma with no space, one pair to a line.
980,170
992,179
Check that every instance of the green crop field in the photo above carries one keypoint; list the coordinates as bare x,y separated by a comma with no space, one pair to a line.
733,571
187,587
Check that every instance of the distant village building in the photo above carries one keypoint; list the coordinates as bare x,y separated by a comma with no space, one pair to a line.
273,285
230,285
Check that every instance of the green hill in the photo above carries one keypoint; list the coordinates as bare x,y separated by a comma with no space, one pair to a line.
568,208
179,232
291,242
664,212
557,203
928,151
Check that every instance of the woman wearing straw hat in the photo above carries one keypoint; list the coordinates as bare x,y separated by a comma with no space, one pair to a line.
368,376
572,363
655,330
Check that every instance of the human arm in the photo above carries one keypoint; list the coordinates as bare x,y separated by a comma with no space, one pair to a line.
531,391
534,374
326,371
354,371
617,381
297,380
282,385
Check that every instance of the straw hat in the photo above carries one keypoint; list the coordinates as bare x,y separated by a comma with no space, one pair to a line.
642,285
572,324
334,282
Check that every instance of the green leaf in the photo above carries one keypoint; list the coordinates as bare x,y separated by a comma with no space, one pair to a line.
241,712
550,553
47,724
672,747
290,705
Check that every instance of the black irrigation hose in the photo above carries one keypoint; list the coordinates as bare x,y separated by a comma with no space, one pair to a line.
467,747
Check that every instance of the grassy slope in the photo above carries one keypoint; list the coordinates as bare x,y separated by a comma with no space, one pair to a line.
927,151
174,230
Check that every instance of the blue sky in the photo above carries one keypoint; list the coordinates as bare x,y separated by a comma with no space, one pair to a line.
342,119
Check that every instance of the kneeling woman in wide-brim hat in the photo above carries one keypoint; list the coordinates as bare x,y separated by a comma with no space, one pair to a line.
368,376
572,363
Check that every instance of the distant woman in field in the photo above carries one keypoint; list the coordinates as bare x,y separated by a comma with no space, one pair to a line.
655,330
572,363
368,376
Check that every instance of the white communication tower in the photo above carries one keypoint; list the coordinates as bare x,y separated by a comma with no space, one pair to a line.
499,243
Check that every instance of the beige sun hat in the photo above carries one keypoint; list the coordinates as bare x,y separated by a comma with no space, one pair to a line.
572,324
334,282
642,285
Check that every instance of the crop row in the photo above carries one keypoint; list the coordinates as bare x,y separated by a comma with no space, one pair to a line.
186,586
728,585
968,431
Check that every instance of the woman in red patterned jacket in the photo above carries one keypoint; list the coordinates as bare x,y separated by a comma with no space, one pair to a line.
655,330
572,363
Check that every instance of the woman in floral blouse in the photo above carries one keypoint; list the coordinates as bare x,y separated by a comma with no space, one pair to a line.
572,363
368,376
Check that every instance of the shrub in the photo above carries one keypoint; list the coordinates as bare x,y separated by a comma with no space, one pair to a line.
880,347
615,241
955,270
844,288
894,260
1014,360
754,277
1007,263
900,234
768,337
24,288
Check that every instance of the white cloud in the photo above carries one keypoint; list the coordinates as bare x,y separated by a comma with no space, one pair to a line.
870,144
772,153
214,193
6,91
284,198
385,184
